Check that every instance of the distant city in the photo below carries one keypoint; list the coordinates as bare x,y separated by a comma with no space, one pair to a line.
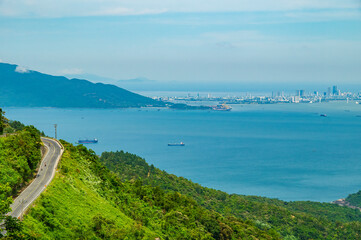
299,96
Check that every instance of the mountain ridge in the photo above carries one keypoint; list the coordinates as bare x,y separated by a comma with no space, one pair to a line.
27,88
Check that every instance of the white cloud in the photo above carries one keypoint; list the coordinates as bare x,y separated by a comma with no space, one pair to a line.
70,71
67,8
19,69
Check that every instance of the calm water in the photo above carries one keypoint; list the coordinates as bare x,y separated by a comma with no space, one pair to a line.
283,151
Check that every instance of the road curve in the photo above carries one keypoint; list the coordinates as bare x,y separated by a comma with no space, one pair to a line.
45,174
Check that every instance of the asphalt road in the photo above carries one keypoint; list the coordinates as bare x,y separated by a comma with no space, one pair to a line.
45,175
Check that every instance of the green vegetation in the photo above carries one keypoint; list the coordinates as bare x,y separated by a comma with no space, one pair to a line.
15,126
87,201
5,200
10,126
354,199
292,220
19,157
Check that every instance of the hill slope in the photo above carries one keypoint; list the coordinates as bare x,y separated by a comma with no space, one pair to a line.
354,199
292,220
87,201
22,88
19,158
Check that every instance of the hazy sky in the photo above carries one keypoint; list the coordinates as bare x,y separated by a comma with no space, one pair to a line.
191,40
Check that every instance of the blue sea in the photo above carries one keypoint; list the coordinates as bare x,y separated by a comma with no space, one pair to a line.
284,151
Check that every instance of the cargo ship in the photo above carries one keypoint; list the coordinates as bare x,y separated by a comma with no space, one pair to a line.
181,144
88,141
222,107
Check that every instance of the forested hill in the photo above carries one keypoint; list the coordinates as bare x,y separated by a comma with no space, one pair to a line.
291,220
354,199
24,88
87,201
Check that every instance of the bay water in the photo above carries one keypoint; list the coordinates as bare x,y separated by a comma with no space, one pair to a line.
285,151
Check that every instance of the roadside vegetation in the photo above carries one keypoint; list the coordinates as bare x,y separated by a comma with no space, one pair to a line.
19,158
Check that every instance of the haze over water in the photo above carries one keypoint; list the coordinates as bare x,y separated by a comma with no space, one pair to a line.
285,151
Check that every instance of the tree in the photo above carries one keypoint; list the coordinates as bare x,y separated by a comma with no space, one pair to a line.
13,225
5,200
14,228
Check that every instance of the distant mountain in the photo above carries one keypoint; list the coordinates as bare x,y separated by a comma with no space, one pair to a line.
138,84
23,88
92,78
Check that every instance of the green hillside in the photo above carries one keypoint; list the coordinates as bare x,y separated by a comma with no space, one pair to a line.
354,199
303,220
19,157
35,89
87,201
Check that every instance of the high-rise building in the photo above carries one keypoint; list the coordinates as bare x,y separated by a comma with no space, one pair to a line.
302,93
329,91
334,90
298,93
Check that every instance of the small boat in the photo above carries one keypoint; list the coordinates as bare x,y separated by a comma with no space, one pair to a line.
82,141
323,115
181,144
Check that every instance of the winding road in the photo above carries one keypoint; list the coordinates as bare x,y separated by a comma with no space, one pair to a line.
44,176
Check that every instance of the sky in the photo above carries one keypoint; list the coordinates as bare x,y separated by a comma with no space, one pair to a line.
190,41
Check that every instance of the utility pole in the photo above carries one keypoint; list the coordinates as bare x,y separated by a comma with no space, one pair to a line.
56,133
